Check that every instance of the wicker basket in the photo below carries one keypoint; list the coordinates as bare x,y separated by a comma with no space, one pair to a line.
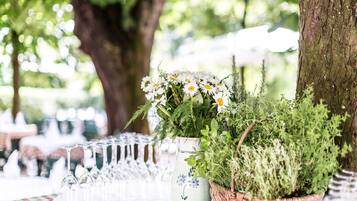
219,193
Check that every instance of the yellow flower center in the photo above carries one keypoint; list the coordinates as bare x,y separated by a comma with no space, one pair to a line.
220,101
156,85
173,77
208,87
191,88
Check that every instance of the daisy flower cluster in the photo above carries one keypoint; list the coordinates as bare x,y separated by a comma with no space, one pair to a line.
190,84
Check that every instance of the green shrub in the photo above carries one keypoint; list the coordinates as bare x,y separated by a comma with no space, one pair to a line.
212,160
306,131
267,172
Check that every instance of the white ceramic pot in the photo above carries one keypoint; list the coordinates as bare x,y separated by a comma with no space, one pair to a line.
184,186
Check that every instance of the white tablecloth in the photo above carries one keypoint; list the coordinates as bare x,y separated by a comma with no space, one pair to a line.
24,187
48,145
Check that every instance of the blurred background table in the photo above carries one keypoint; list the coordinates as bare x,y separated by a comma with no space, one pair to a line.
9,132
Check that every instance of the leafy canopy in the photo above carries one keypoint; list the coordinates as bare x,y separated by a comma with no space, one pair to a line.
126,5
33,27
33,21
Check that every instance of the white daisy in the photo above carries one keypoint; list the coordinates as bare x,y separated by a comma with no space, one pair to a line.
145,83
157,84
150,96
161,80
221,101
185,77
190,88
162,100
172,78
160,91
207,88
221,88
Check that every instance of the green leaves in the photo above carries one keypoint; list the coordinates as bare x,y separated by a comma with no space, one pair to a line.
142,111
126,5
186,120
267,171
212,158
103,3
34,23
291,151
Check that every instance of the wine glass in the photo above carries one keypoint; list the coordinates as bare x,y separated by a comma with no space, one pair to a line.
94,172
142,142
104,173
152,167
85,179
113,161
132,163
69,183
166,159
122,166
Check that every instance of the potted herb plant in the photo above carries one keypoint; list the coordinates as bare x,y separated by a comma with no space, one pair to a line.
185,102
289,151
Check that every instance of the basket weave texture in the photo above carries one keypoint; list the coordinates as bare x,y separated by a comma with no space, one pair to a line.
219,193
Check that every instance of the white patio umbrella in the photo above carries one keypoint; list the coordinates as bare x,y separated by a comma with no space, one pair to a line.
250,46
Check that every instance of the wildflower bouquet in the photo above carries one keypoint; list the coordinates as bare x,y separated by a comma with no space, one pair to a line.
185,102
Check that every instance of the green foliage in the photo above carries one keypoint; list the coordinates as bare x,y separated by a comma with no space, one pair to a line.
267,171
212,159
95,101
185,120
313,130
32,109
26,19
126,5
305,130
3,104
104,3
33,112
41,80
142,111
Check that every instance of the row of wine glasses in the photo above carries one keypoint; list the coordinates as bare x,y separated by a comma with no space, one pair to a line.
342,187
138,169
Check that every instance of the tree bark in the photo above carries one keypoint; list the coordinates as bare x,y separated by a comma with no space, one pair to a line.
328,61
16,74
121,56
243,26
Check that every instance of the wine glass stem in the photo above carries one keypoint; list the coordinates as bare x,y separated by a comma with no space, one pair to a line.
122,152
94,156
105,162
141,152
132,151
68,160
126,151
114,153
150,153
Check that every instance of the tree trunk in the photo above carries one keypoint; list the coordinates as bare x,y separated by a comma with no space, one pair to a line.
328,60
16,74
243,26
121,56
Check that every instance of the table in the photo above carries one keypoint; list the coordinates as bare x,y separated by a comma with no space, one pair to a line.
9,132
46,145
24,187
41,198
